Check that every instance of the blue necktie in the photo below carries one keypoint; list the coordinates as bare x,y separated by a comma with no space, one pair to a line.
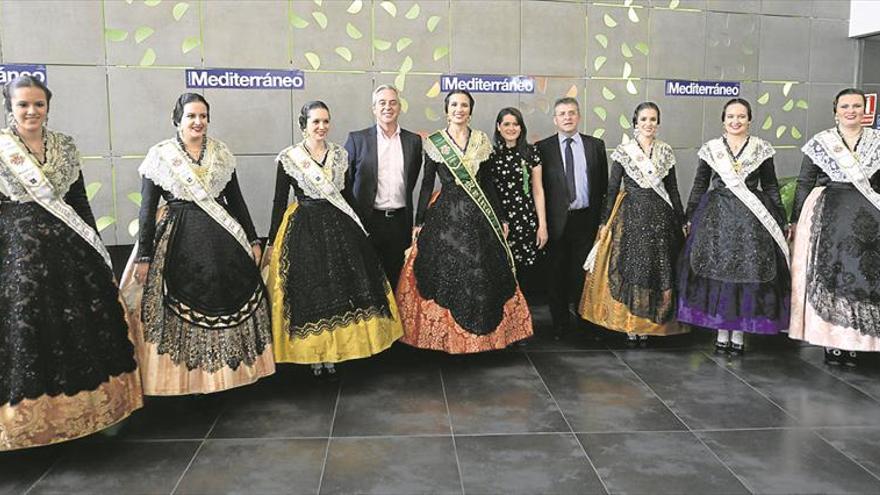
569,171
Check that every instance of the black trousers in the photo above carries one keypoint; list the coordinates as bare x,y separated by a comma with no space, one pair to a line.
390,234
566,255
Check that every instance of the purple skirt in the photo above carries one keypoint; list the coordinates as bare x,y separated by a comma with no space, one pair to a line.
723,228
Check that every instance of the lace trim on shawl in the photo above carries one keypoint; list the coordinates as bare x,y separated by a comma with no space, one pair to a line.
337,159
868,153
662,157
218,163
479,148
61,169
757,150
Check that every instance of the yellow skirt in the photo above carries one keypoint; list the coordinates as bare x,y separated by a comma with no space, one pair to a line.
345,337
599,306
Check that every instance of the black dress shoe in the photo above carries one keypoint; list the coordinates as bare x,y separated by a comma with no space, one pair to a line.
851,358
736,349
721,347
834,357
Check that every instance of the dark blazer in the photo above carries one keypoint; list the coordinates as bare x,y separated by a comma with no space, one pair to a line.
361,179
555,189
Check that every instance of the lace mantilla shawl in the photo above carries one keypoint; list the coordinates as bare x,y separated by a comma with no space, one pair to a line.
661,156
757,150
61,169
868,154
337,159
478,150
218,161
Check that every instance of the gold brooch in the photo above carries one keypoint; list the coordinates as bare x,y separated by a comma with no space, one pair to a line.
17,159
445,149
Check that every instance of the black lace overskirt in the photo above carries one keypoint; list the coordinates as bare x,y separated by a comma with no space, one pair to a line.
62,329
206,268
844,267
461,264
647,240
331,275
730,244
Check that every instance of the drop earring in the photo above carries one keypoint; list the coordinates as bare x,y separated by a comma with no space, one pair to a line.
10,120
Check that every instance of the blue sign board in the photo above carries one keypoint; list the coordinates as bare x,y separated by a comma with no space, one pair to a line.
677,87
476,83
245,79
9,72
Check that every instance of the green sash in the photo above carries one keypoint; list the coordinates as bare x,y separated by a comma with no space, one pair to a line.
464,178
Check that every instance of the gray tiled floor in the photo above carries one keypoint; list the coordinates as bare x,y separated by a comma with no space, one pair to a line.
584,415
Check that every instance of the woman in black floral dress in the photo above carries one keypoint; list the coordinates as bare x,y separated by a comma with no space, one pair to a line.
515,169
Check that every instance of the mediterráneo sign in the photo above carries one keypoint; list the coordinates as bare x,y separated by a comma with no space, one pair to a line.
9,72
677,87
245,79
477,83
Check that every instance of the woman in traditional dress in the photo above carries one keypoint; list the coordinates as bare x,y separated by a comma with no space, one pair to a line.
204,311
458,292
630,285
733,273
836,260
331,301
515,171
67,364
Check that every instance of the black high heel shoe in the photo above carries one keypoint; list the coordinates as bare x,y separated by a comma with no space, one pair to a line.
851,359
834,357
736,349
721,347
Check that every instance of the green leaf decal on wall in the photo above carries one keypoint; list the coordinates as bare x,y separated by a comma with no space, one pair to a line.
152,3
402,43
434,91
609,21
321,19
625,50
763,99
787,88
133,228
796,133
344,53
440,52
353,32
400,81
627,70
314,60
802,104
600,112
780,131
92,190
632,15
149,58
598,133
608,94
190,43
104,222
355,7
297,21
602,39
788,105
599,62
390,8
404,105
624,121
431,114
631,87
768,123
179,10
318,2
673,4
432,23
381,45
142,33
642,47
406,65
135,197
413,12
115,34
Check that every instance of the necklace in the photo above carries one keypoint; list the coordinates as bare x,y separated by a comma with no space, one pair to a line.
198,160
737,164
858,140
322,163
28,148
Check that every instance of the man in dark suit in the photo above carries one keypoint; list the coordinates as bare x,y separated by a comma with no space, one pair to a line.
575,176
384,162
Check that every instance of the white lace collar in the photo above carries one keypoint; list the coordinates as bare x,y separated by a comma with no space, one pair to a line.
62,167
337,160
218,164
661,156
868,153
479,147
755,153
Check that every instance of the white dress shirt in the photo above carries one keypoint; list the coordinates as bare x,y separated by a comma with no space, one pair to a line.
391,187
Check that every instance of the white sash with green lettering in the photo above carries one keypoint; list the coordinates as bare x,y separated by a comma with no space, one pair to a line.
178,163
26,171
721,162
648,169
849,164
314,173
